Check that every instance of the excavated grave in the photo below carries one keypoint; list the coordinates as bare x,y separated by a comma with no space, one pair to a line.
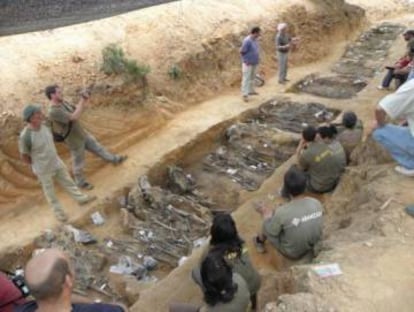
157,222
361,60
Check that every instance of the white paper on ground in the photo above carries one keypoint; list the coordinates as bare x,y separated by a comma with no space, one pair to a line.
327,270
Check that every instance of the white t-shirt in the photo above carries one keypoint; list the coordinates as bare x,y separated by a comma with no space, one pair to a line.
400,104
45,159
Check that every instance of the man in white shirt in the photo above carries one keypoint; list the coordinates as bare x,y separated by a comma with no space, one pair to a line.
37,149
398,140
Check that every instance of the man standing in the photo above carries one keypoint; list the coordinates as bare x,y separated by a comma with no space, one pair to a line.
66,117
250,59
283,43
398,140
38,150
50,279
295,227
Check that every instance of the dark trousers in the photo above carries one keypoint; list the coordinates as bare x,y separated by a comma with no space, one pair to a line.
390,75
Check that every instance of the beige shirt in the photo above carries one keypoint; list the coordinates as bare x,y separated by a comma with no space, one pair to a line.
41,149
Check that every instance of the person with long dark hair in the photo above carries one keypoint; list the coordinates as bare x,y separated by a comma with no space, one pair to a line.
224,291
226,241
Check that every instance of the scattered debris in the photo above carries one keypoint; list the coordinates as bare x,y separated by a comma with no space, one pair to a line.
97,218
327,270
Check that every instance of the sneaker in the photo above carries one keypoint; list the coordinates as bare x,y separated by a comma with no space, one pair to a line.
380,87
245,98
286,80
253,93
120,159
405,171
85,186
281,82
260,247
87,200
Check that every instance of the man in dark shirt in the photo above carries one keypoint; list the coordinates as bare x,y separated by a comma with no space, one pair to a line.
51,280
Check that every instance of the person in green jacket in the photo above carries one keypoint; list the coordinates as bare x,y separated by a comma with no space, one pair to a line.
223,289
295,227
226,240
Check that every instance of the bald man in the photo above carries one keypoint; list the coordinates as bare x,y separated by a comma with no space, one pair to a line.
50,279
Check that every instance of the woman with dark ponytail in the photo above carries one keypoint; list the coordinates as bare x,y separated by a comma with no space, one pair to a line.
226,241
224,291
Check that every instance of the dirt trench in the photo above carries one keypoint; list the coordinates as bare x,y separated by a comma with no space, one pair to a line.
122,114
116,218
152,226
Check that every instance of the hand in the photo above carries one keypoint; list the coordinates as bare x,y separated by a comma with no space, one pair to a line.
264,210
374,126
85,94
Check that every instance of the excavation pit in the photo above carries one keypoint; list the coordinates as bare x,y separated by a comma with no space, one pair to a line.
334,87
152,225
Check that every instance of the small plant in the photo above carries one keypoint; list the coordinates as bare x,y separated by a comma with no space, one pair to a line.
116,63
175,72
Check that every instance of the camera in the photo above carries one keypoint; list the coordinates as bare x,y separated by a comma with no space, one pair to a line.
18,280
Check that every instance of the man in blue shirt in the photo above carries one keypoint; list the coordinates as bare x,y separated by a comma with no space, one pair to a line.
250,59
50,279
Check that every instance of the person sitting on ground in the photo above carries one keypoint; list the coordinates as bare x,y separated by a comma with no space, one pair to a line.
37,149
350,133
225,239
10,295
295,227
327,135
398,140
316,158
65,117
224,290
401,68
50,279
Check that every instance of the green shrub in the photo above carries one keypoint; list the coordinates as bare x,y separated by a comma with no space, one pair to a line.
175,72
114,62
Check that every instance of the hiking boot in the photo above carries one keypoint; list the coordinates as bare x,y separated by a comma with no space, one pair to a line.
87,200
245,98
259,244
405,171
85,186
61,216
120,159
253,93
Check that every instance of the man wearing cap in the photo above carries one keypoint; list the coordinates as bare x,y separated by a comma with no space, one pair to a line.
402,67
66,117
51,280
398,140
37,149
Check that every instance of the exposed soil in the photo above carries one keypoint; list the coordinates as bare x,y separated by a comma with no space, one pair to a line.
366,233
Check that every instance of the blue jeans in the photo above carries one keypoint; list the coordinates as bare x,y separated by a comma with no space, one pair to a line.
399,142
